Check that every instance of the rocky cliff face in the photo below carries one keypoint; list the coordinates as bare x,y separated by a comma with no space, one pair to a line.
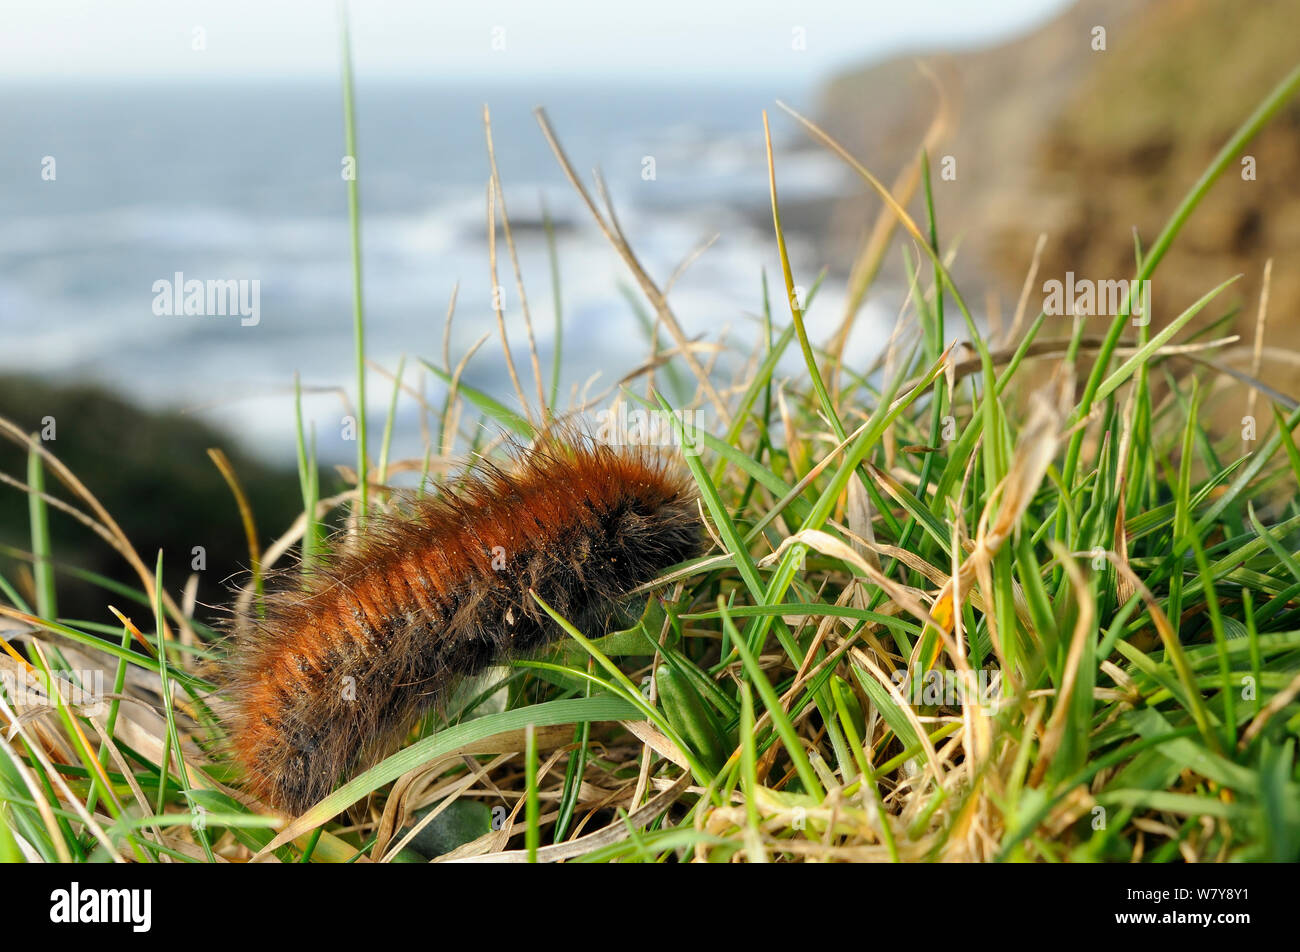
1052,135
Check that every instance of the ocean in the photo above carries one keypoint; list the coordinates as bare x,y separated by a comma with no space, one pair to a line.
107,190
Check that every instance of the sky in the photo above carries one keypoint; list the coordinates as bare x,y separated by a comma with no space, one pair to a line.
508,39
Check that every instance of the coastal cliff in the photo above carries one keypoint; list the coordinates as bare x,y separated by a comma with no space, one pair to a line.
1051,134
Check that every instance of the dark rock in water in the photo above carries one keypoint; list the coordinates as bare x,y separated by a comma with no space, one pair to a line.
151,471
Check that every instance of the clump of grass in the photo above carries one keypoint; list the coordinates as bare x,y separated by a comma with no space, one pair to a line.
934,625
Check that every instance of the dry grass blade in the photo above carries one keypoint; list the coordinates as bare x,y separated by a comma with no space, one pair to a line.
866,264
648,287
498,303
1055,728
1276,704
614,833
449,422
1261,321
1039,442
222,462
56,778
123,544
1022,305
514,262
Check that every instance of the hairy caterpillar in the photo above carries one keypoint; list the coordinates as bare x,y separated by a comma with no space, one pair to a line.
333,673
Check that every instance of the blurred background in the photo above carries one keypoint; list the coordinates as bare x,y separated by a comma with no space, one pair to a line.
145,138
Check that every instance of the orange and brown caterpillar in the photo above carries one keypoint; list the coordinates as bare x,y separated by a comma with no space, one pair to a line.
336,670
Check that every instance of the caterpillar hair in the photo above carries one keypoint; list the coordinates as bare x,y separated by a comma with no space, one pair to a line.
334,670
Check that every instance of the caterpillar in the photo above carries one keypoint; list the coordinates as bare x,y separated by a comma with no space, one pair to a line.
334,670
